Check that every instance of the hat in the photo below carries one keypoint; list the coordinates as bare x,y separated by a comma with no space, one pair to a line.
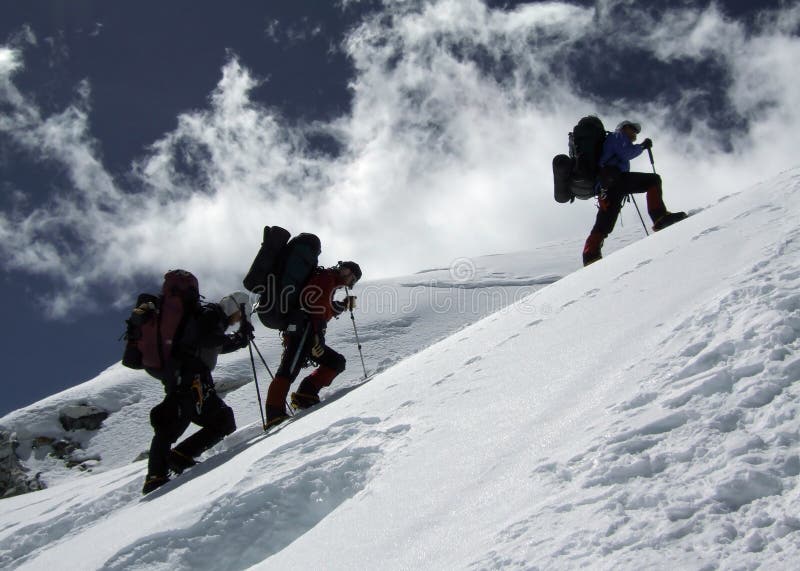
353,267
233,302
635,126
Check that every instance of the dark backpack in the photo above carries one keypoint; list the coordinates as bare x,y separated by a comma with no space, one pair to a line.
574,176
279,272
156,322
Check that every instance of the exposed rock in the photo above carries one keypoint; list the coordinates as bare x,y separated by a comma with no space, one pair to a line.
68,451
63,448
82,417
14,479
83,463
41,441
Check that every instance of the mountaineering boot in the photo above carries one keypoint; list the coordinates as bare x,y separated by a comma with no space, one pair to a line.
275,415
275,406
307,394
592,248
178,461
668,219
303,400
152,482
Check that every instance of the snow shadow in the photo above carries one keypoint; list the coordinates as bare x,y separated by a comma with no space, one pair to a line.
289,492
78,511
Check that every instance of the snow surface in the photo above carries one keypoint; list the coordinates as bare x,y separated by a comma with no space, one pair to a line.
639,413
395,319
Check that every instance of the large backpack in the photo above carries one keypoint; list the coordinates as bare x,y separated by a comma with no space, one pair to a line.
279,272
156,322
574,176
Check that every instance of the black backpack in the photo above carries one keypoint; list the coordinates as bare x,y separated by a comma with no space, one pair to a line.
574,176
279,272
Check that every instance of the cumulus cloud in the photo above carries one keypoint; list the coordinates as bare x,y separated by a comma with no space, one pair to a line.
457,111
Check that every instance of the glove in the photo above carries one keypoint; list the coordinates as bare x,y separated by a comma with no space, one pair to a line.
246,329
240,340
350,302
647,144
317,350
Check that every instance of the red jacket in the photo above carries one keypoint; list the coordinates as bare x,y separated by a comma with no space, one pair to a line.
317,297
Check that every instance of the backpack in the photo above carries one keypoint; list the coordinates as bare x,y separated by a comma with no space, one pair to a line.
574,176
156,322
279,272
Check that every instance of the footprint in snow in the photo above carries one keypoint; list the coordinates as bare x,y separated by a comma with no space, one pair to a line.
507,339
443,380
706,232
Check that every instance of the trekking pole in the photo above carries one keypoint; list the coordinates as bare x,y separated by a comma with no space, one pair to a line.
255,379
640,215
250,344
639,212
271,376
653,165
358,341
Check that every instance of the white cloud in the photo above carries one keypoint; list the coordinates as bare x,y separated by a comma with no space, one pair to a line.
457,111
9,61
279,33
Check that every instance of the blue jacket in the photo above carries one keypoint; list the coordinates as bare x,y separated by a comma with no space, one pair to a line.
618,151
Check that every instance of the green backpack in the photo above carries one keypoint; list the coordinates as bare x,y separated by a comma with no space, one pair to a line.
280,271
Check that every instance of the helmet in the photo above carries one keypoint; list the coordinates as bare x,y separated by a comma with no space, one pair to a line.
232,302
353,267
635,126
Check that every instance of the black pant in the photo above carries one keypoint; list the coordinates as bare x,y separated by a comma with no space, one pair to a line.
172,417
617,186
297,352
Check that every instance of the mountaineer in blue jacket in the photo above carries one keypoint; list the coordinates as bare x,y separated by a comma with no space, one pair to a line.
615,182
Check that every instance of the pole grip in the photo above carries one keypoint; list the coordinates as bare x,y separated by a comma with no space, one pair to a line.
652,162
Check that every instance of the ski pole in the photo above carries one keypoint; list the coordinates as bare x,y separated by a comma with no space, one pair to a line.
358,341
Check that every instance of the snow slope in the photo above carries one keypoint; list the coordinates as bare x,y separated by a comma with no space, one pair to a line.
639,413
395,318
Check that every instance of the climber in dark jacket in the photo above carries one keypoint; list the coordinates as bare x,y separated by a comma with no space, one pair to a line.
615,182
191,397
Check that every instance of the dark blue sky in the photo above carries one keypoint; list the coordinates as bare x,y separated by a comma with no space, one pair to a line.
130,52
148,62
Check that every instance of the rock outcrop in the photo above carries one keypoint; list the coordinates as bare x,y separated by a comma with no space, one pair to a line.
14,477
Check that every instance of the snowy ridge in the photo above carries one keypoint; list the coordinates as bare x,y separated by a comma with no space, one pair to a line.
394,321
639,413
